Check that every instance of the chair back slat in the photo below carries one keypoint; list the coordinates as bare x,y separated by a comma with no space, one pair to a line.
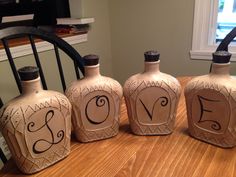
36,56
60,67
12,64
33,34
1,103
2,156
76,65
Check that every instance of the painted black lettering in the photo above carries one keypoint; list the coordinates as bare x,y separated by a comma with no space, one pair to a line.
60,134
215,125
163,102
101,101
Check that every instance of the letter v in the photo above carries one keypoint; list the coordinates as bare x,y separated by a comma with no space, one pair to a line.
146,109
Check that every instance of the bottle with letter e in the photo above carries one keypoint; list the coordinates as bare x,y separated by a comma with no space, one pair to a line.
95,103
37,124
151,98
211,101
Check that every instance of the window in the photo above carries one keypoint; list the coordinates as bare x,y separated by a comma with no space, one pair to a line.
221,6
234,7
226,19
213,20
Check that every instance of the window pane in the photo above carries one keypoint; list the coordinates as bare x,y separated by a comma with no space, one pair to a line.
221,5
234,7
226,19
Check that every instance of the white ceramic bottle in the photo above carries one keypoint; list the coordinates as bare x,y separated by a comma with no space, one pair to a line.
36,125
151,99
96,103
210,101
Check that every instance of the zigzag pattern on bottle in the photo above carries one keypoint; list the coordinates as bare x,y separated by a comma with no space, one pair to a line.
152,130
216,141
37,107
43,162
87,136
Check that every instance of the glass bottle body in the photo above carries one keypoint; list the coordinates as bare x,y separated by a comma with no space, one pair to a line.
96,103
151,99
37,127
210,100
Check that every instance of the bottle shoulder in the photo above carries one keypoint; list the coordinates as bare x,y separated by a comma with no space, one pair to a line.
151,80
35,97
158,76
85,85
90,81
213,82
23,106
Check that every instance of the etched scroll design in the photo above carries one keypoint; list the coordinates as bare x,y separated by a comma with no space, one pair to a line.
60,134
100,101
215,125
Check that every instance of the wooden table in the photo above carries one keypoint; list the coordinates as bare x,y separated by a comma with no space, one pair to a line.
128,155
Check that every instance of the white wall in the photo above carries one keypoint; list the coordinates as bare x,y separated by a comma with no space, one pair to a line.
166,26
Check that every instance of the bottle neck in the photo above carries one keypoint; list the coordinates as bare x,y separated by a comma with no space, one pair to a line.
91,71
152,66
31,86
220,69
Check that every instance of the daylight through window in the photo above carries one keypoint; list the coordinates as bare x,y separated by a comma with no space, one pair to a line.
226,19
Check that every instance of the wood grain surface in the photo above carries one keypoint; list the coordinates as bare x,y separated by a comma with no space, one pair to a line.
174,155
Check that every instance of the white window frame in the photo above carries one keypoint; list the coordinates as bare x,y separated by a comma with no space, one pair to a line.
205,18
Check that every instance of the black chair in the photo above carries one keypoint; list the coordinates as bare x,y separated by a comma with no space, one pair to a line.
33,34
1,103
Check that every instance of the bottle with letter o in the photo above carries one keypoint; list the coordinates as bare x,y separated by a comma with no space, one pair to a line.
95,103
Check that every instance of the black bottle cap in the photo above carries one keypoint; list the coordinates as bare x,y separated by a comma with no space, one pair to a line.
90,60
28,73
221,57
151,56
